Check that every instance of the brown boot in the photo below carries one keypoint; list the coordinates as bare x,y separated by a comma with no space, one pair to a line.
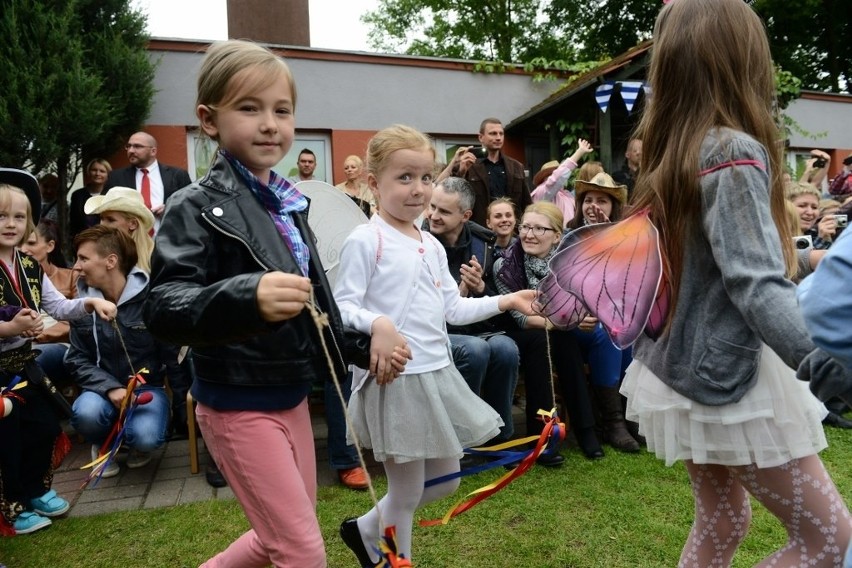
615,429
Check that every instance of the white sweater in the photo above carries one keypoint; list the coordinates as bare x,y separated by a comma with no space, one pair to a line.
384,272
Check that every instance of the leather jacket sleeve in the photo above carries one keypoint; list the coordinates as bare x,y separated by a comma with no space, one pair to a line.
187,305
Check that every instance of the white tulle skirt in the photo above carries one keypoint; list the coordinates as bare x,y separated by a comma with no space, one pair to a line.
423,416
776,421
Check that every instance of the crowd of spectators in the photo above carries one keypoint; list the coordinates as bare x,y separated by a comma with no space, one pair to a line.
498,235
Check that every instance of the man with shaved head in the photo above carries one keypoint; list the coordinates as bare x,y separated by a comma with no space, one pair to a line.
155,181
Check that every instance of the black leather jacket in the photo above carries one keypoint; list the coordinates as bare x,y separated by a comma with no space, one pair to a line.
215,243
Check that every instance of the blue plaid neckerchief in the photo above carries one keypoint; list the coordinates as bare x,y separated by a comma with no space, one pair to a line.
280,199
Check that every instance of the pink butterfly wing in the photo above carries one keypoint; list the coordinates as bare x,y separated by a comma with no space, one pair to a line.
564,310
615,272
660,310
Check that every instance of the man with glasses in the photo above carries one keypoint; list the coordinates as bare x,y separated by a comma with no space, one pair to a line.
155,181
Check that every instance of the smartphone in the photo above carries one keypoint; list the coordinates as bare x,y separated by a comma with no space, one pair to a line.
477,151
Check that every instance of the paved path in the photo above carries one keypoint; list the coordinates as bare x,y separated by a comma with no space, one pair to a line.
165,481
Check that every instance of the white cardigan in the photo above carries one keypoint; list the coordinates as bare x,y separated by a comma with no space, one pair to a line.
384,272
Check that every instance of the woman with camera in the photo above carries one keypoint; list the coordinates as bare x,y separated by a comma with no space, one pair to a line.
816,168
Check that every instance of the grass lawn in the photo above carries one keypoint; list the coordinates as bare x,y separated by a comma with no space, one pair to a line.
622,511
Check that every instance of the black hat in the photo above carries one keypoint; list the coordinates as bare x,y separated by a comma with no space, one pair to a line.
28,183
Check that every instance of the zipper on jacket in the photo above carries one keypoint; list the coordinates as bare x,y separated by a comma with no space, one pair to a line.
262,265
233,236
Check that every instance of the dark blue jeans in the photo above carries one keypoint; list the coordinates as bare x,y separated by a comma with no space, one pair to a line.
490,368
340,454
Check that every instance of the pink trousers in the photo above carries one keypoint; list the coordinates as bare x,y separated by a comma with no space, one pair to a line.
269,461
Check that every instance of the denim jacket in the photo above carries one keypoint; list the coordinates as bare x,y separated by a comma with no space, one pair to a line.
734,296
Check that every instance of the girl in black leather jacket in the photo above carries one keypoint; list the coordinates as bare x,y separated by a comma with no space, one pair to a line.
233,268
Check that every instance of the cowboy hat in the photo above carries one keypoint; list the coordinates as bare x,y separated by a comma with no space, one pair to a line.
604,183
124,199
28,184
545,172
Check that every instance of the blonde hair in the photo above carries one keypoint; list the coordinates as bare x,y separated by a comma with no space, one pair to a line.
793,219
100,161
143,241
825,204
706,48
357,159
225,61
549,210
393,138
589,170
6,192
500,201
796,189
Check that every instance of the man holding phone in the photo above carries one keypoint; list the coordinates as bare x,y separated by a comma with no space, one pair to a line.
491,173
841,186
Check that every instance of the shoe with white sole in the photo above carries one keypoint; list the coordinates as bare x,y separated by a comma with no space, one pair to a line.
111,470
28,522
50,505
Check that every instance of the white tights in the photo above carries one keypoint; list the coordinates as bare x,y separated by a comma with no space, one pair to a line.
799,493
405,495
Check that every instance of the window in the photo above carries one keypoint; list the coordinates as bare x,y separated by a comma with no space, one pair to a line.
201,150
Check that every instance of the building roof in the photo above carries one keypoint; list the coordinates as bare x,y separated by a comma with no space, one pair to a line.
579,82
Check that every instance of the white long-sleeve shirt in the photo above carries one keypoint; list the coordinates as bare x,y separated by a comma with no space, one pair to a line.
386,273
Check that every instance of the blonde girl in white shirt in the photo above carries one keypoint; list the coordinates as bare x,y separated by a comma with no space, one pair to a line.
395,285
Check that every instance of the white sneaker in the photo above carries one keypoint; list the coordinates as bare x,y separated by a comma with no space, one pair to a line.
112,469
138,459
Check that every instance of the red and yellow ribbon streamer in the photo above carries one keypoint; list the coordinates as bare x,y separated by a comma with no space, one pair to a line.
553,433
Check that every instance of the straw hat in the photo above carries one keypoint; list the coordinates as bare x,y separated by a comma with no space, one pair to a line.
122,199
544,173
28,183
604,183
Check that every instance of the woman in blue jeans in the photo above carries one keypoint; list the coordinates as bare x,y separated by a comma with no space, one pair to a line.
600,200
98,356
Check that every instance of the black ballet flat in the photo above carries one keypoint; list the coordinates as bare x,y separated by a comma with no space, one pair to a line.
352,538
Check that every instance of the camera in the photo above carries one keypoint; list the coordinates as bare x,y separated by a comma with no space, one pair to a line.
840,221
477,151
803,242
847,161
819,163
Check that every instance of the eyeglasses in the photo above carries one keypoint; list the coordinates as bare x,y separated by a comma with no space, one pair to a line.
135,146
537,231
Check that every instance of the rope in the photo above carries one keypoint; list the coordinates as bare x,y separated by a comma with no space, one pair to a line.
321,321
114,322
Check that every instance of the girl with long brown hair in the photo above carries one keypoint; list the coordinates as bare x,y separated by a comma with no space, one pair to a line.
716,390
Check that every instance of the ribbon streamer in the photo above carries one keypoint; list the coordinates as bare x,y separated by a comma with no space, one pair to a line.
548,441
113,442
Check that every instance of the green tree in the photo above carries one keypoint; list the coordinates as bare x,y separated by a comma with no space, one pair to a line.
604,28
492,30
811,39
77,80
